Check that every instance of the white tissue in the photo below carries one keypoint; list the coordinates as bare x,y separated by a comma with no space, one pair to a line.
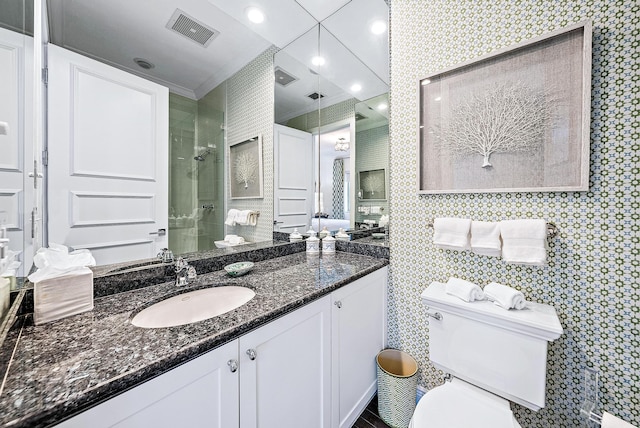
610,421
57,261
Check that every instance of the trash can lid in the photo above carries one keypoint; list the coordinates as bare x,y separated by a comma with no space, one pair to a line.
397,363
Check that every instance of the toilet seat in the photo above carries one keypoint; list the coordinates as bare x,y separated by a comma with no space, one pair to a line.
458,404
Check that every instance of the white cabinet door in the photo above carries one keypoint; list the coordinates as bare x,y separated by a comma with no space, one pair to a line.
108,159
200,393
359,332
288,381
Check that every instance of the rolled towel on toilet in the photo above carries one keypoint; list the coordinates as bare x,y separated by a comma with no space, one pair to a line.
451,233
465,290
505,296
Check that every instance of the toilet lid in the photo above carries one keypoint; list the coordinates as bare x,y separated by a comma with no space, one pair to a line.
458,404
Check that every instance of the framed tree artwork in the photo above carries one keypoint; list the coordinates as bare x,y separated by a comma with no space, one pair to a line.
515,120
372,184
245,169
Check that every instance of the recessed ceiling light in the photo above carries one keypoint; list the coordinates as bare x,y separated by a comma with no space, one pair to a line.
378,27
317,60
437,98
382,106
356,87
255,15
143,63
426,82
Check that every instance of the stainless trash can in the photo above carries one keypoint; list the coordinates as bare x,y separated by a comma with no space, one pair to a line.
397,383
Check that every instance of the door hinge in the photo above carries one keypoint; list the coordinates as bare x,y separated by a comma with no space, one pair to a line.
45,157
45,76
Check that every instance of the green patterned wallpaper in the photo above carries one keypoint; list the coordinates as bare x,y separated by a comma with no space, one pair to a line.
594,264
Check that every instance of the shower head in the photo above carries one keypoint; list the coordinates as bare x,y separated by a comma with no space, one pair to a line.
202,156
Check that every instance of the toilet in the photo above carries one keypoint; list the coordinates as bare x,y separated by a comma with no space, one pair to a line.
492,356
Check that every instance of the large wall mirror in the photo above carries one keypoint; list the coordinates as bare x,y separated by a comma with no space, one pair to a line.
342,67
16,133
145,99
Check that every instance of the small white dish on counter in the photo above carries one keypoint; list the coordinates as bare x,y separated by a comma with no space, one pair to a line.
378,235
238,269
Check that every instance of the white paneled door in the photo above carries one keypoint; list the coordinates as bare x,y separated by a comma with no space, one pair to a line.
16,145
293,189
108,159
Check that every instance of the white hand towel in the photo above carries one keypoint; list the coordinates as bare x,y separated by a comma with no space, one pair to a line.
231,217
236,240
451,233
610,421
253,218
485,238
242,217
465,290
505,296
524,241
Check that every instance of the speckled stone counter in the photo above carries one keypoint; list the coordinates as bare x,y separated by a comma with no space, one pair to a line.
67,366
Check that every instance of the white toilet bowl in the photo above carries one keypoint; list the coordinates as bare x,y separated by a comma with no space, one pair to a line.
458,404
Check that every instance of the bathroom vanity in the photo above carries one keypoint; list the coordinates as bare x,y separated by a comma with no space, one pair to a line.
301,353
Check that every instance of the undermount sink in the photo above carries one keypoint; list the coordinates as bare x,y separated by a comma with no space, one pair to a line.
193,306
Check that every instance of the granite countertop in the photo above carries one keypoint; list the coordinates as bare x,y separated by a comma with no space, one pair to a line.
66,366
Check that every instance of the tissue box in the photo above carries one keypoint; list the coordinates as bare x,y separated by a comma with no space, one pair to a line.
63,296
5,288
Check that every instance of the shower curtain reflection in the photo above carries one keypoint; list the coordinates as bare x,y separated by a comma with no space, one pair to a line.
196,171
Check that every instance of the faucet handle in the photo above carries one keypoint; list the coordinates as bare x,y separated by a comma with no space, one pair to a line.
181,264
166,255
191,272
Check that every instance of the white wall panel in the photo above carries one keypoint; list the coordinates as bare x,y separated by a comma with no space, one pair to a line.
120,128
94,209
11,204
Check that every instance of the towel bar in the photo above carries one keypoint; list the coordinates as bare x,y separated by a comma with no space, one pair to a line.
552,229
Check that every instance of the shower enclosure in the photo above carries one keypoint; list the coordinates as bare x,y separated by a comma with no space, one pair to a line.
196,172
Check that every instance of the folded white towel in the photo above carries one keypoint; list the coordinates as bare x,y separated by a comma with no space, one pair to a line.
505,296
253,218
485,238
451,233
524,241
242,217
236,240
465,290
247,218
231,217
610,421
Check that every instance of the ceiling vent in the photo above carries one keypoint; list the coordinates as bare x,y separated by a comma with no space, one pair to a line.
189,27
284,78
360,116
315,96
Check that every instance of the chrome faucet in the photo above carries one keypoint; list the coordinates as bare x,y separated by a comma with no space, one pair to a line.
166,255
184,272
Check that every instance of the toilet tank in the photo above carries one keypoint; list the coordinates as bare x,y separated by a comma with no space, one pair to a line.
501,351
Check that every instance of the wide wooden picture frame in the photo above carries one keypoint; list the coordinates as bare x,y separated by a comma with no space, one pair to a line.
245,169
515,120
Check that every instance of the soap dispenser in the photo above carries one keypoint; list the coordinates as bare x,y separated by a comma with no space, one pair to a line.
295,236
313,243
328,245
